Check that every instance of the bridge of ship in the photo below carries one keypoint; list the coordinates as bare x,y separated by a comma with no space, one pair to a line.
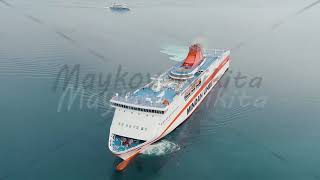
147,98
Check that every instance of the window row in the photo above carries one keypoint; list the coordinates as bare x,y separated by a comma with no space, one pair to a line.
132,126
138,109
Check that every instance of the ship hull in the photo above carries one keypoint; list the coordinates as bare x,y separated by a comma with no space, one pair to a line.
197,100
184,109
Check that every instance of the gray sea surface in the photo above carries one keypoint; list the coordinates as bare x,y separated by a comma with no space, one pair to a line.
262,122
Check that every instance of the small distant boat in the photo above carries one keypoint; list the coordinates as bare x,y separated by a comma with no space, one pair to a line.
119,7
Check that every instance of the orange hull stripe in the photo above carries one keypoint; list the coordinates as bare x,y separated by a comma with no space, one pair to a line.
197,93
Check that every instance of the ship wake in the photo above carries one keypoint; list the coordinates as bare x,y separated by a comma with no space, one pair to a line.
161,148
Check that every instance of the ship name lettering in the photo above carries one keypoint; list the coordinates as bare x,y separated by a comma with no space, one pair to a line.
199,97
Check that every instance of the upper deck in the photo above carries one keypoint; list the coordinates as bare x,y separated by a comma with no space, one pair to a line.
161,91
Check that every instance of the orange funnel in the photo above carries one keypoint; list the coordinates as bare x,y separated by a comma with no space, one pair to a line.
194,57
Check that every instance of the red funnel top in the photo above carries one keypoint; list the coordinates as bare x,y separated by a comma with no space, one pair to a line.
194,56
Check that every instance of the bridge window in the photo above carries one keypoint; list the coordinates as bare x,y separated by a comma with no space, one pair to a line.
138,109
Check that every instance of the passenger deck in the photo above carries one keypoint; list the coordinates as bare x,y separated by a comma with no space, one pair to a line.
158,94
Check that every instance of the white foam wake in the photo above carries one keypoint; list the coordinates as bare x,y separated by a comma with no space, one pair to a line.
162,147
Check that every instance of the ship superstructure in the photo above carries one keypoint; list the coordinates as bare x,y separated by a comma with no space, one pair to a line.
151,112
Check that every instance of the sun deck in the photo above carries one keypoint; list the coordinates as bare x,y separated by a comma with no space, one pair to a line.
158,94
147,97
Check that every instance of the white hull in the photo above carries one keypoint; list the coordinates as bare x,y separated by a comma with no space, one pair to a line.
178,111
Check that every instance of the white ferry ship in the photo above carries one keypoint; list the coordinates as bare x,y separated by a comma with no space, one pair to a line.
119,7
151,112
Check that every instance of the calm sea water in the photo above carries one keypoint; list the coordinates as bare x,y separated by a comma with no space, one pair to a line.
265,125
